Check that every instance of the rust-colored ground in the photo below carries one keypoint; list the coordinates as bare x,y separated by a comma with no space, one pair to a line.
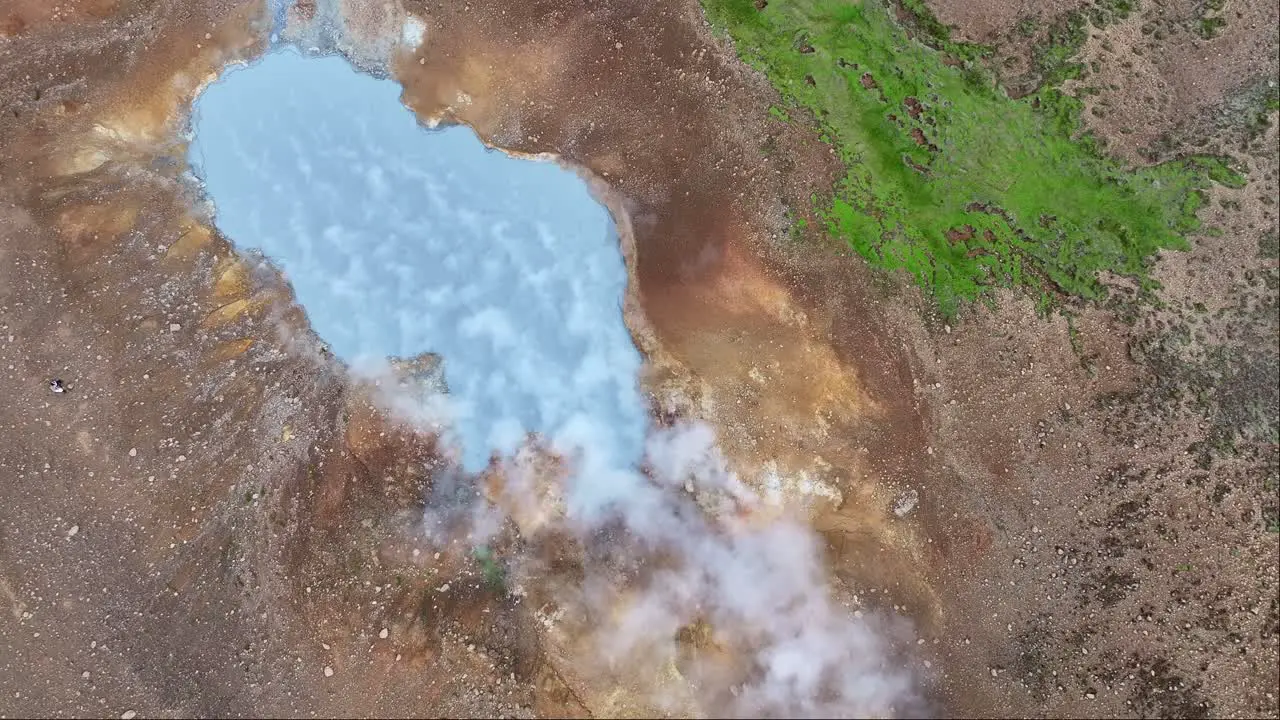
215,521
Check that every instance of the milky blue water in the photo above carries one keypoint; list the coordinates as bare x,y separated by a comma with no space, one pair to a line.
400,240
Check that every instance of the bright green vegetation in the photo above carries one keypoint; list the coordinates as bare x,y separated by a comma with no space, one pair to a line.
947,177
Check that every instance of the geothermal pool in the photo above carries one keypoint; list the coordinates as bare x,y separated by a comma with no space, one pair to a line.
400,240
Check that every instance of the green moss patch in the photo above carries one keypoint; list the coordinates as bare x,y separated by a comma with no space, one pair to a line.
947,177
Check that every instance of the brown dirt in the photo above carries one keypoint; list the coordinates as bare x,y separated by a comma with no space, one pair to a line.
1155,73
992,21
1150,75
245,516
1132,571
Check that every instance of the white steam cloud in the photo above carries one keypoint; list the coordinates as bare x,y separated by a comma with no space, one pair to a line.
761,583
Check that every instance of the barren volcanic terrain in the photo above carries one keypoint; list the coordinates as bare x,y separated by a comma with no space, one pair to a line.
1013,511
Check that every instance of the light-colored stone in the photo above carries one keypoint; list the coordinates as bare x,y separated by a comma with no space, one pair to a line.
906,502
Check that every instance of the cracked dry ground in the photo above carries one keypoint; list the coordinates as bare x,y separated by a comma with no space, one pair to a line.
216,521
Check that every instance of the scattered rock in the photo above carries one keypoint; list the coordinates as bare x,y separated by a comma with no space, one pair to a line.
906,502
328,671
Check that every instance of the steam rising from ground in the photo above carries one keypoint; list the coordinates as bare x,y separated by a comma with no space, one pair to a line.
399,241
